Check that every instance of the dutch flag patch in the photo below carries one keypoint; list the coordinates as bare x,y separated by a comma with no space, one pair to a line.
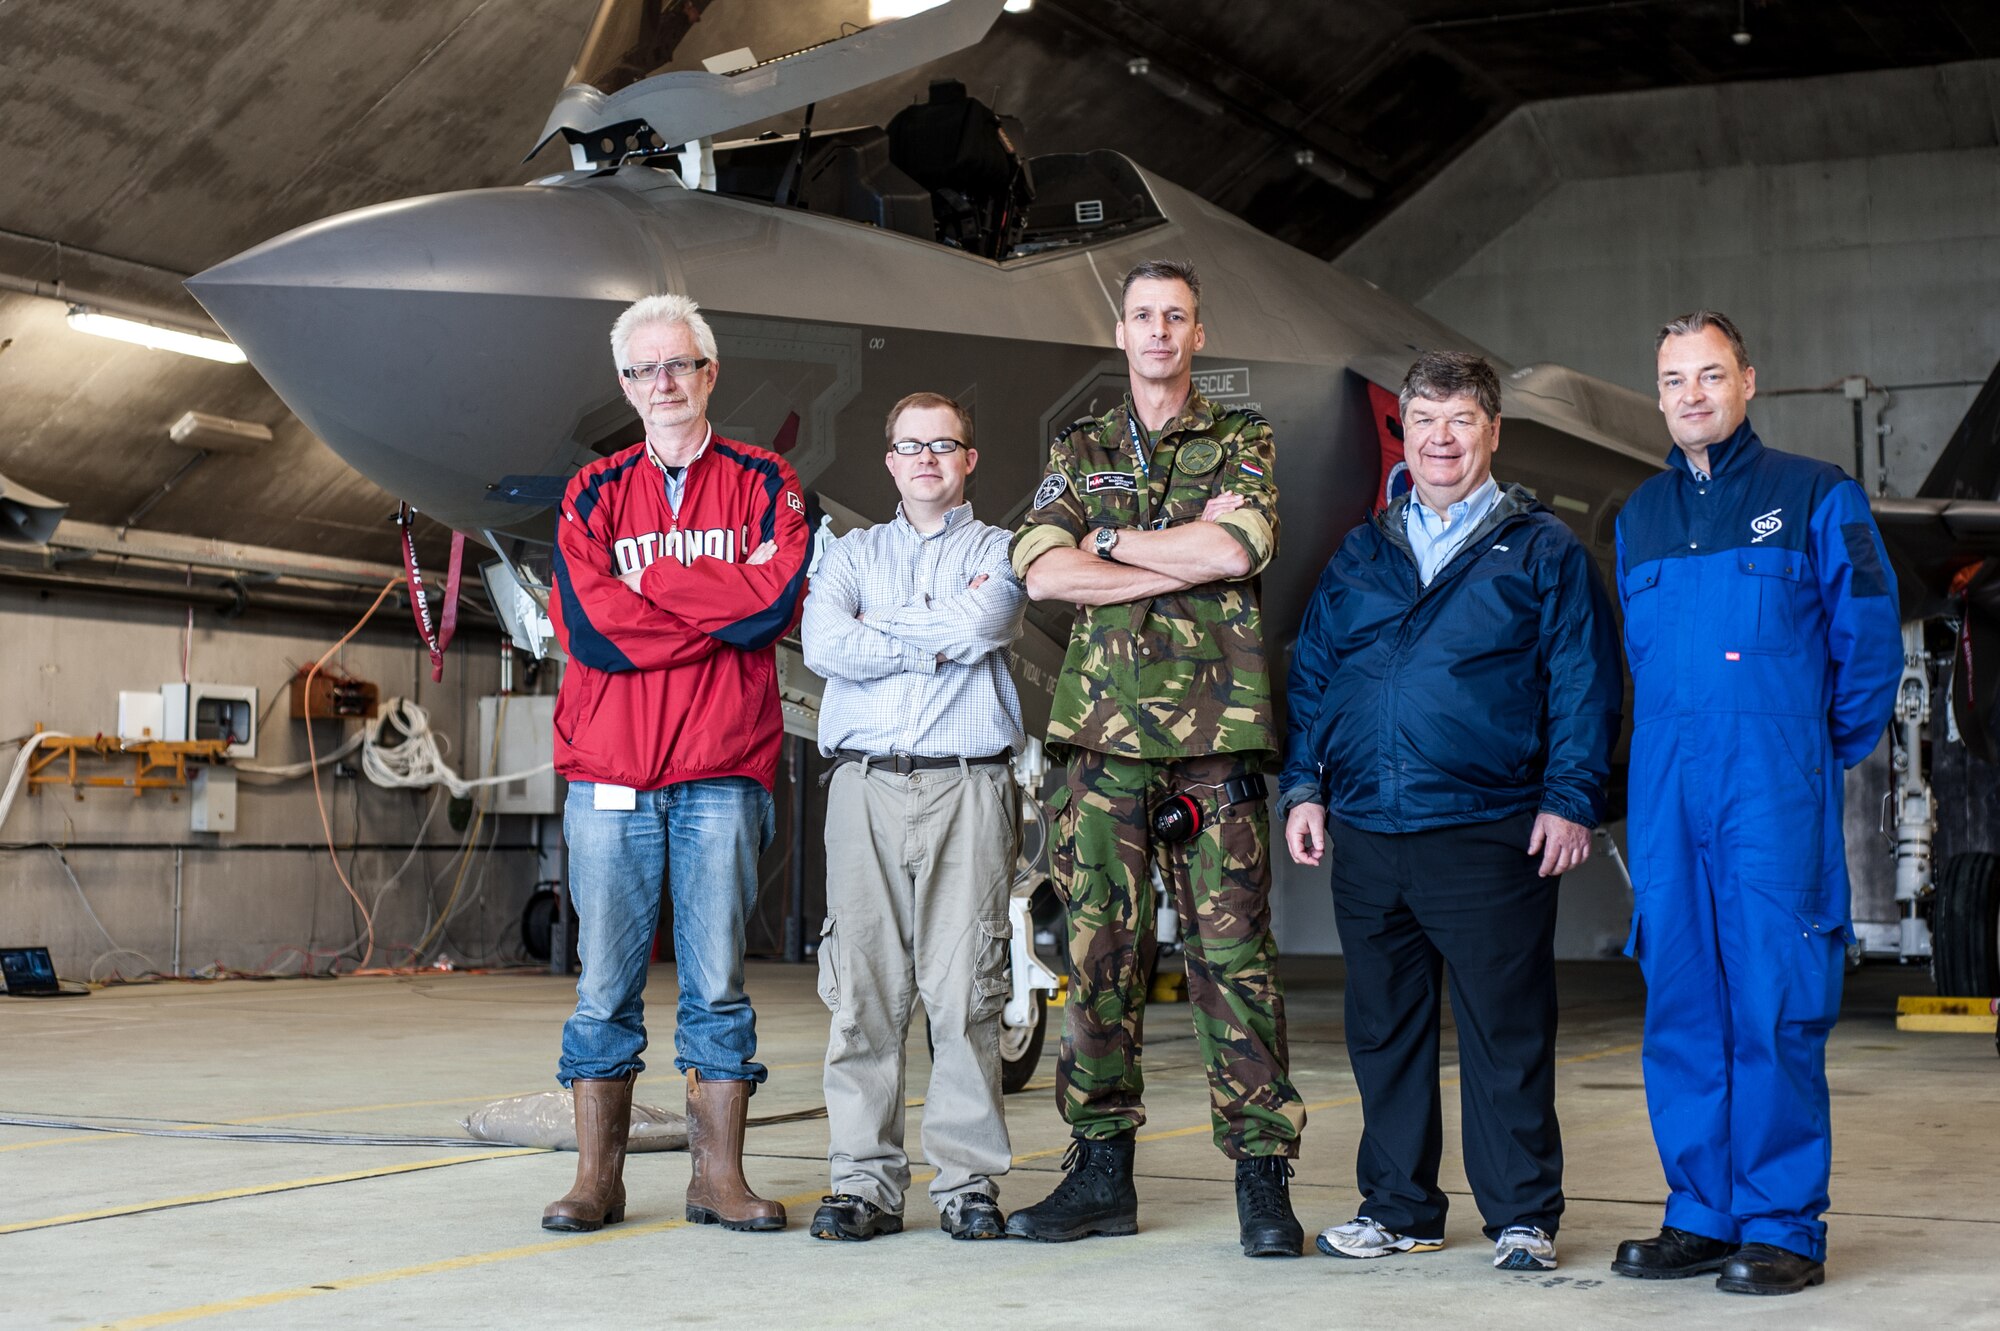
1251,469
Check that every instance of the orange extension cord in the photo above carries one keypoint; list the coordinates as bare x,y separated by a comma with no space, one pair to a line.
312,753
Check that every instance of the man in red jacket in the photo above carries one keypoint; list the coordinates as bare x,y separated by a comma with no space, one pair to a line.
679,562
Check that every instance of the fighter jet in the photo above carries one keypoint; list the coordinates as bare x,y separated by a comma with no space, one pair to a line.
453,348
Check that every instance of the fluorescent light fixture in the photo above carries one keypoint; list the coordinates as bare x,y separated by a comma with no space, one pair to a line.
1173,85
218,434
156,336
1333,173
881,11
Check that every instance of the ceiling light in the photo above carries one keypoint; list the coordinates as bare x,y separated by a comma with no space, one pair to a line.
1018,6
1173,85
1333,173
156,336
218,434
881,11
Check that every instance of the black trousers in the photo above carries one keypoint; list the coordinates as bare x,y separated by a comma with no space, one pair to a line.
1463,901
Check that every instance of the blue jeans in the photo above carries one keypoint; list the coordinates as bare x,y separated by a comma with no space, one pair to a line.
711,833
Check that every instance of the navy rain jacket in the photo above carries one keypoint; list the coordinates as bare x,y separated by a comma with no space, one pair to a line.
1494,691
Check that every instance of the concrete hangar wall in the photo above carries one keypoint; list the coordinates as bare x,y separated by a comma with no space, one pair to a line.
1851,226
147,887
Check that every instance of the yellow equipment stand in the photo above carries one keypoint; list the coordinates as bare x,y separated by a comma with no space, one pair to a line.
156,764
1964,1016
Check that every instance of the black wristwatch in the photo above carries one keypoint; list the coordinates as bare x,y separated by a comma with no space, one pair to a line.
1101,543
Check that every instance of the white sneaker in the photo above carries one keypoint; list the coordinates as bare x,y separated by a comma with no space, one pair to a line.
1362,1237
1524,1248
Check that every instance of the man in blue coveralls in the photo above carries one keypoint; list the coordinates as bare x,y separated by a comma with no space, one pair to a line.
1761,625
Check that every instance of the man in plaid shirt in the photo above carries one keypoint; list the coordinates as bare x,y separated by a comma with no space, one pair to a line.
909,623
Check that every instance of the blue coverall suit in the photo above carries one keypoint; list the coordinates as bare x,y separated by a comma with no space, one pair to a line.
1762,629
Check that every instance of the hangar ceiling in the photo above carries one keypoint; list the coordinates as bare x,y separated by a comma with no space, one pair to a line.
141,142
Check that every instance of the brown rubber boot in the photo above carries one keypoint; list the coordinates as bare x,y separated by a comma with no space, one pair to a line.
718,1194
603,1125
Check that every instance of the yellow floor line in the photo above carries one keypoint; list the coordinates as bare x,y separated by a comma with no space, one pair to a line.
259,1190
472,1260
439,1267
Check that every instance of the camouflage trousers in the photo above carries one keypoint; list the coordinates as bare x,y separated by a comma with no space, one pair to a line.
1100,856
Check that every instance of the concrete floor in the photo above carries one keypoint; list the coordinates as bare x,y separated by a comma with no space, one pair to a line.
135,1231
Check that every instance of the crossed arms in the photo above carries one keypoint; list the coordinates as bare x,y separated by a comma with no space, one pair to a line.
844,640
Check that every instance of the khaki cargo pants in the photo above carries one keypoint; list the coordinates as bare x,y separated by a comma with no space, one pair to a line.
918,869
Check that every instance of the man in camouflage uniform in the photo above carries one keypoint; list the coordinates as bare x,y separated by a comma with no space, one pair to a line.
1155,520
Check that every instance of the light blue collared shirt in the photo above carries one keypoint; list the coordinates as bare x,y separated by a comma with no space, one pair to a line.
677,478
1433,539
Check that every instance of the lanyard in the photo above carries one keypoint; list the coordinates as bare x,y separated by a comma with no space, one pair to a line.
1144,472
438,638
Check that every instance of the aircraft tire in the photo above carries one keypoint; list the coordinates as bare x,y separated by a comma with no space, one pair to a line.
1965,928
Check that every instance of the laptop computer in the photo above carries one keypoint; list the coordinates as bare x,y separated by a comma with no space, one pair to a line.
29,973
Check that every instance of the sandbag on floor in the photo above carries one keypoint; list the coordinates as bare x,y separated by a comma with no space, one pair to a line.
548,1118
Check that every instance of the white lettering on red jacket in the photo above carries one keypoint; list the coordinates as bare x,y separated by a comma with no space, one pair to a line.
677,681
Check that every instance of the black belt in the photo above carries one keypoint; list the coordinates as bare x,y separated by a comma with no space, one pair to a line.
902,764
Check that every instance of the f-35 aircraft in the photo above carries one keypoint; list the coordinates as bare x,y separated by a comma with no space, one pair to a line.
453,348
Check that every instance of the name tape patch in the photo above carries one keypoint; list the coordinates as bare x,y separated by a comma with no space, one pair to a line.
1099,481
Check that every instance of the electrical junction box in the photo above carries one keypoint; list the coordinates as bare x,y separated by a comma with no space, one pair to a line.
212,711
526,727
214,799
141,716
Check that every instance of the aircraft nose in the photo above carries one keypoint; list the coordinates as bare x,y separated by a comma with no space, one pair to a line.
440,343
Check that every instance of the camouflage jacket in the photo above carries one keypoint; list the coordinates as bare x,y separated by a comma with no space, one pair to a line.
1174,676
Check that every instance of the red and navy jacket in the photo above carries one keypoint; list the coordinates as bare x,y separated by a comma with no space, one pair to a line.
677,682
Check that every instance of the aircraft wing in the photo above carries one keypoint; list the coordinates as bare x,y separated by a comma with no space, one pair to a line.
1567,401
1932,542
685,105
27,517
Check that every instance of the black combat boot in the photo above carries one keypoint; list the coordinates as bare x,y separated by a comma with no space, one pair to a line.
1675,1254
1264,1208
1096,1198
1762,1268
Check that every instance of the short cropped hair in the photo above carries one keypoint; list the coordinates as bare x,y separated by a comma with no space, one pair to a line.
1441,375
920,400
660,311
1689,324
1163,270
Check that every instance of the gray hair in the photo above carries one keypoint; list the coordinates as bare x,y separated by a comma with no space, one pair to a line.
1689,324
1442,375
661,311
1163,270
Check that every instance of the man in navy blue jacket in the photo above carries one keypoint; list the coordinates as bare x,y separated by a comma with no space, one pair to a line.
1762,627
1453,697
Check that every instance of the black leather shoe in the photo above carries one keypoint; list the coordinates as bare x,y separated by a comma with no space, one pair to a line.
1762,1268
1097,1196
845,1216
1264,1208
973,1215
1675,1255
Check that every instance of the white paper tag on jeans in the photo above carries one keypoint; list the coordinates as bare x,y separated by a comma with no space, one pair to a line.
616,797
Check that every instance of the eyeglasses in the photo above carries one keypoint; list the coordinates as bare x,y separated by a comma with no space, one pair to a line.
653,369
909,448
